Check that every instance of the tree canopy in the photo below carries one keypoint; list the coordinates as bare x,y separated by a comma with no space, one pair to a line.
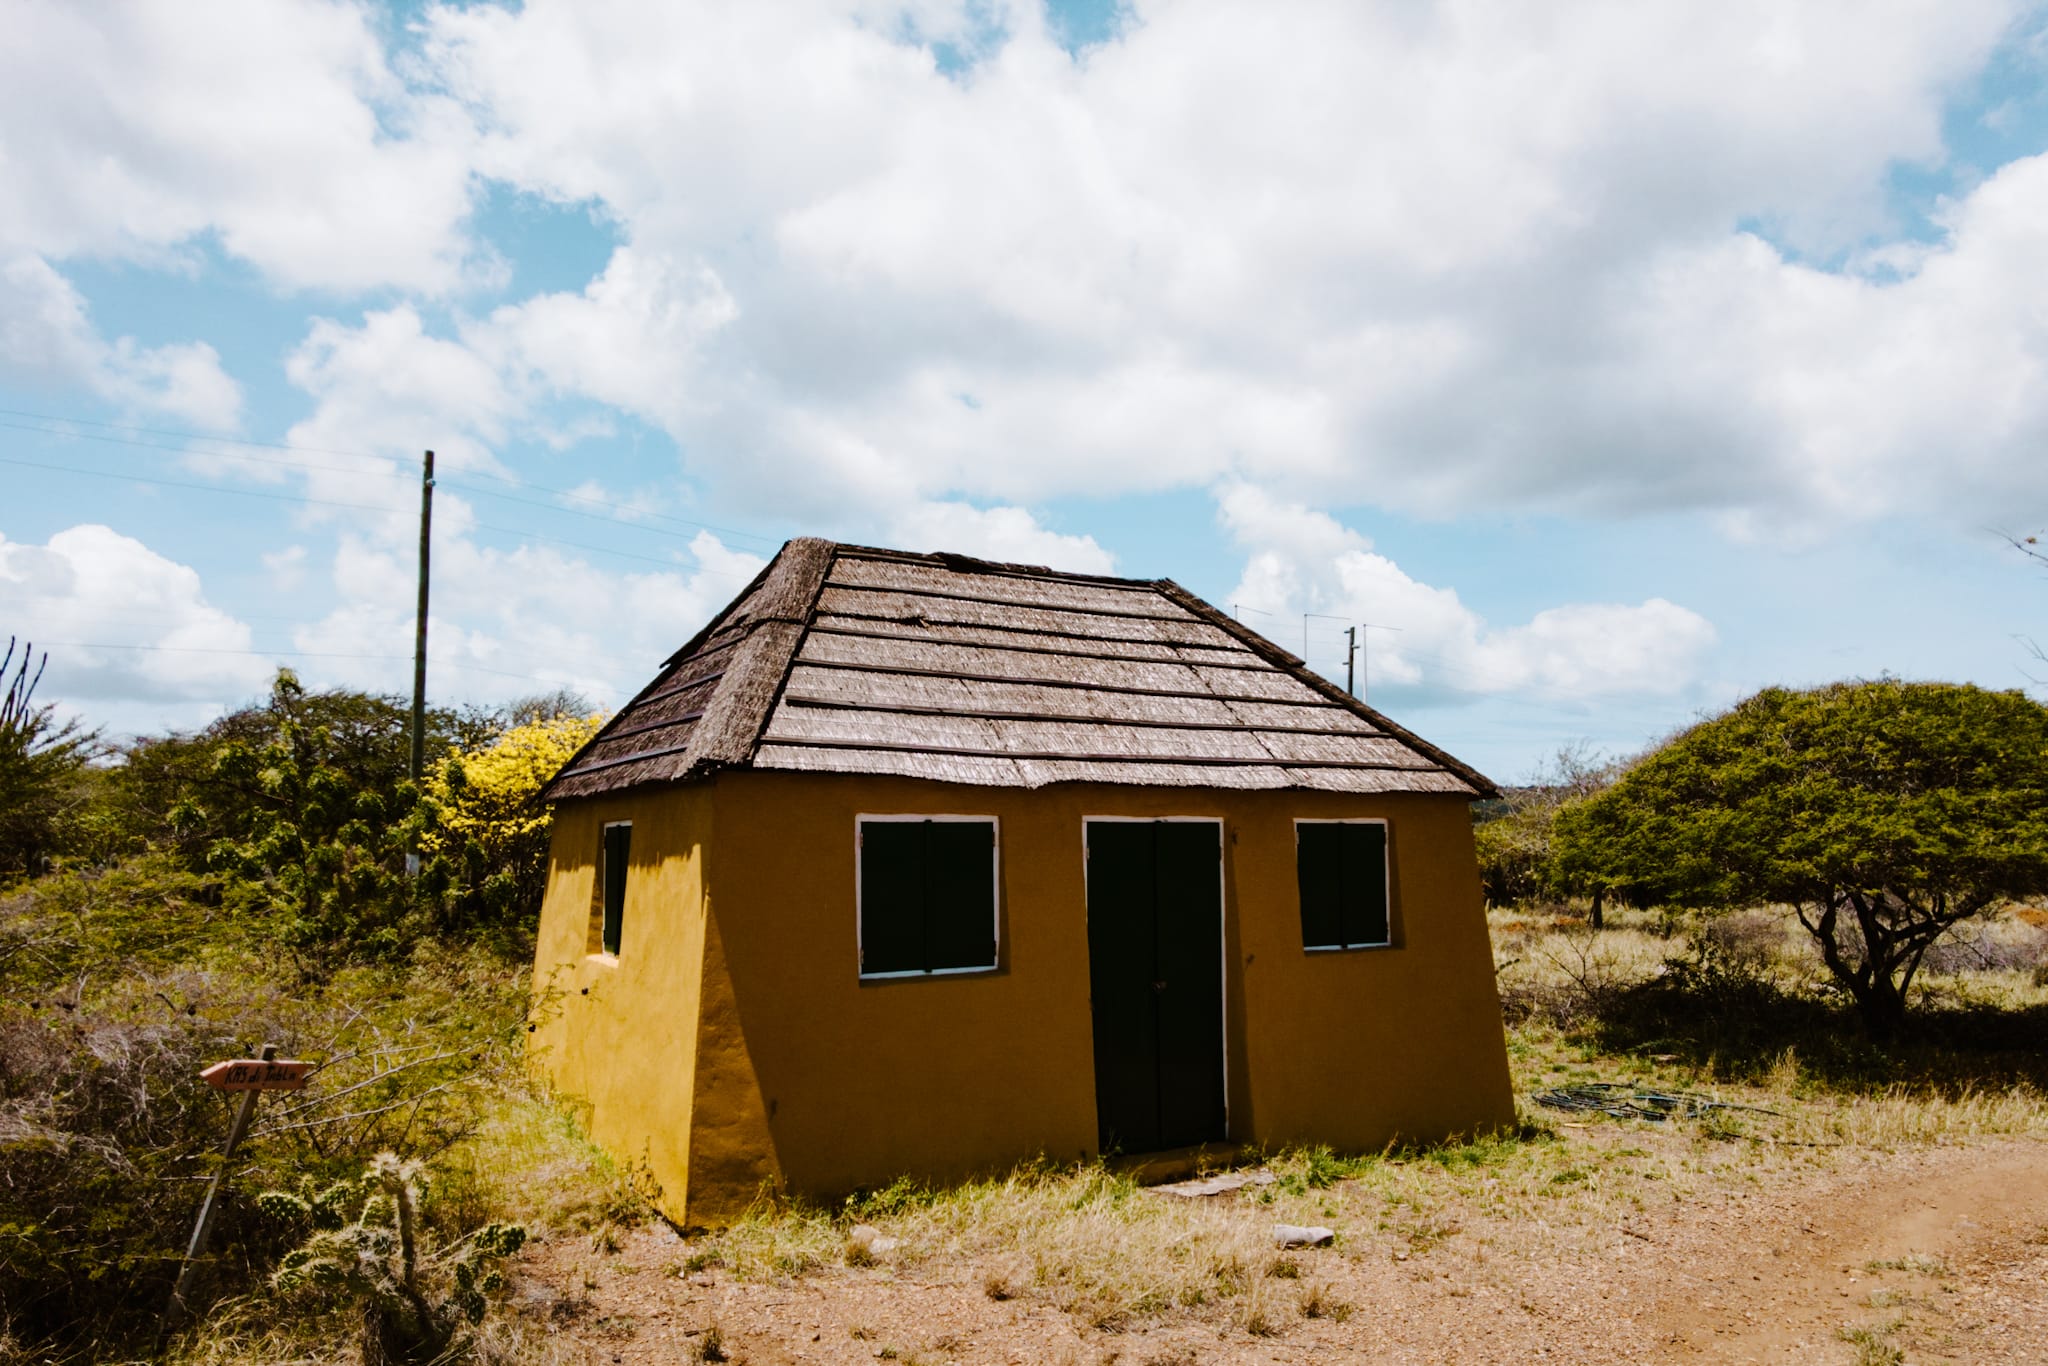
1883,812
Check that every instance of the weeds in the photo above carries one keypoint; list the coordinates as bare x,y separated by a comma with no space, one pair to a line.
1318,1301
1873,1343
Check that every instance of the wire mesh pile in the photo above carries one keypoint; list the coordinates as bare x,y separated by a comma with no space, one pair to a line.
1623,1101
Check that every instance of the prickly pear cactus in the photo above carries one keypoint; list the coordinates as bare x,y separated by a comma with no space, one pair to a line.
374,1261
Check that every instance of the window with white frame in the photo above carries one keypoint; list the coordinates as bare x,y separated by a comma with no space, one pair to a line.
1341,867
927,894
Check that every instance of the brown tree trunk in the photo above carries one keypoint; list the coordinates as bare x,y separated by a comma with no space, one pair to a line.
1599,919
1882,1007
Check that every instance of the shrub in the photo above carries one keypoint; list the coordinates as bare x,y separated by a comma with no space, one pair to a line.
485,832
116,988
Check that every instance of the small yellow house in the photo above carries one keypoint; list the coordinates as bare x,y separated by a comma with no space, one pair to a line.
923,864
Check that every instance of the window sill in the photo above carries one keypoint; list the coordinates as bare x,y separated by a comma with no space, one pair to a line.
606,960
987,970
1347,948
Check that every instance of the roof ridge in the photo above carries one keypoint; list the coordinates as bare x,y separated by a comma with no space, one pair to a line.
795,574
737,713
969,564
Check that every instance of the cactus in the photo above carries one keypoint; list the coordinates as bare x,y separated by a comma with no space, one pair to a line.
374,1261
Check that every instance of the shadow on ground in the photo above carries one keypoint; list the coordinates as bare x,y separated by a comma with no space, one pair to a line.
1736,1025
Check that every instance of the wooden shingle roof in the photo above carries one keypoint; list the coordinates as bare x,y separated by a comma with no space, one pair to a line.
850,659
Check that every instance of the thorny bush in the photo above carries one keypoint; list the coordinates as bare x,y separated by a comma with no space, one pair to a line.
115,990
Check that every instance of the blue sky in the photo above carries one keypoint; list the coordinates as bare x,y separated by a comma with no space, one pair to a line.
1615,362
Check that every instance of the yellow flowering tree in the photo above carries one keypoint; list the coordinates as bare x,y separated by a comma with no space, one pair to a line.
486,842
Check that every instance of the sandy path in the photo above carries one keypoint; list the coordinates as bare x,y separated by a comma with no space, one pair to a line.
1772,1273
1951,1244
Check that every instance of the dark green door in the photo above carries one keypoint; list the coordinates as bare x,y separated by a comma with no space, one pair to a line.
1155,967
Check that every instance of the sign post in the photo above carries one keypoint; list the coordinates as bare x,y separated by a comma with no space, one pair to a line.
252,1077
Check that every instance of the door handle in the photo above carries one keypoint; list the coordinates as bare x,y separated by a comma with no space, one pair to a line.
1159,986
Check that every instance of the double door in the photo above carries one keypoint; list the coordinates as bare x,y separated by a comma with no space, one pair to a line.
1155,963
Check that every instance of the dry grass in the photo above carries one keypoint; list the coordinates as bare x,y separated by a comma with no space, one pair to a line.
1091,1243
529,1162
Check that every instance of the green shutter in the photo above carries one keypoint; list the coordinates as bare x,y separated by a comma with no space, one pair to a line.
1342,870
1188,923
891,896
1318,863
1365,884
959,895
618,845
1123,965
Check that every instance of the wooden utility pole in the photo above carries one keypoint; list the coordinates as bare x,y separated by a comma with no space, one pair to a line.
419,639
1351,660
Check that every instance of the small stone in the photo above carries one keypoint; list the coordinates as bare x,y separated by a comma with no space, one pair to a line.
871,1240
1296,1235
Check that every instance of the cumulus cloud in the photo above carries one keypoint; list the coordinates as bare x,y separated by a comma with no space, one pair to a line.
90,589
1011,534
277,129
628,339
47,338
1571,256
1388,252
524,618
1300,560
1384,251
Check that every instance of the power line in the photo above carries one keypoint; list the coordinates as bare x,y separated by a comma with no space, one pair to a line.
391,465
200,488
292,654
697,565
635,519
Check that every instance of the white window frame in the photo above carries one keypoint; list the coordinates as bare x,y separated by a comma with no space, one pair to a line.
995,929
603,954
1222,916
1386,871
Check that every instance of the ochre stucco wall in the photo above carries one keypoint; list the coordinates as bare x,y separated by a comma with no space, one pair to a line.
797,1074
855,1082
618,1036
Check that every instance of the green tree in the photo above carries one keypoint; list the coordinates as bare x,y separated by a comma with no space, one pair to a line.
306,802
1513,838
42,766
1883,812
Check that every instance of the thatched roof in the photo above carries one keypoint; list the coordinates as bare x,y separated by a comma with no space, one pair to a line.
847,659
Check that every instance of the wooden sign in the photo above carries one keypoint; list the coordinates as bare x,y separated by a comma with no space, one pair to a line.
257,1074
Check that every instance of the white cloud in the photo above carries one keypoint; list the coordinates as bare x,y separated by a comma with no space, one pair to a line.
285,570
48,339
1419,256
1300,560
626,340
123,622
274,128
390,390
1398,254
1010,534
504,622
1401,254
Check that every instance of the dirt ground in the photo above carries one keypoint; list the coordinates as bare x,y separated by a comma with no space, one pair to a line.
1924,1254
